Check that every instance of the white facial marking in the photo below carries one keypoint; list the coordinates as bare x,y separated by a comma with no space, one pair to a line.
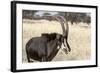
65,43
58,47
62,46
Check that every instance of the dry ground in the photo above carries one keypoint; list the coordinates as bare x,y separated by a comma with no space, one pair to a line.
79,38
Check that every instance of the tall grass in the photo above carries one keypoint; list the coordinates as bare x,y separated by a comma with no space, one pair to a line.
79,38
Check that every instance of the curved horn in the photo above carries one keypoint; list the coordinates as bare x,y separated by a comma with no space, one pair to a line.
65,27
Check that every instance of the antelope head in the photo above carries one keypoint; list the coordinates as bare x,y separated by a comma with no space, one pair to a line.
65,29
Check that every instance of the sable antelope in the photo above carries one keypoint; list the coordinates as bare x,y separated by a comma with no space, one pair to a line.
45,47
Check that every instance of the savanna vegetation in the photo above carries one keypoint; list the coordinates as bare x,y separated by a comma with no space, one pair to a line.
37,22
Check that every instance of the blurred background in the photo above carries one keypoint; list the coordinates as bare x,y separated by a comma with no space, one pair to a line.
73,17
37,22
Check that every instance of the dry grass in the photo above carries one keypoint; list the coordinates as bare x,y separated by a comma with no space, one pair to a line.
79,38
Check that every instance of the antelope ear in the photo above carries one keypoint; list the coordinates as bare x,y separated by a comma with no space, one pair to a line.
58,36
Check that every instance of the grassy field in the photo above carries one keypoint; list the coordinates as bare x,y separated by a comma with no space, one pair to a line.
79,38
